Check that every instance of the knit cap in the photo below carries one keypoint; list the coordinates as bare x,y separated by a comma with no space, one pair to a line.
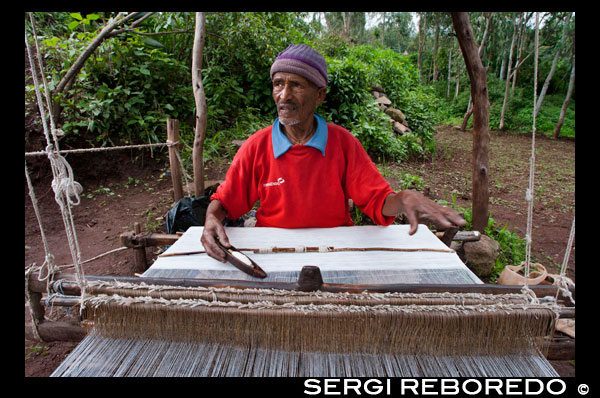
302,60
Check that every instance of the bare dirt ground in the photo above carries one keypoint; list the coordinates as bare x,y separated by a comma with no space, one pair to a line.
121,188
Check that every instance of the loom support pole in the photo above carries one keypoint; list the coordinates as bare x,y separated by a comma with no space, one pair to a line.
141,262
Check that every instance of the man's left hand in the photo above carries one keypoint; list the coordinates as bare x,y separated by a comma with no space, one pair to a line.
416,206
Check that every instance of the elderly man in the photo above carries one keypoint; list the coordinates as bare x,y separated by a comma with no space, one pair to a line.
303,169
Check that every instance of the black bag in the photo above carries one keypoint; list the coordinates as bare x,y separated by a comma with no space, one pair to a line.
191,211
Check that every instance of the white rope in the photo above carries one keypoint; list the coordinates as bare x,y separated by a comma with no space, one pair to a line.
94,258
530,190
48,263
562,281
101,149
66,189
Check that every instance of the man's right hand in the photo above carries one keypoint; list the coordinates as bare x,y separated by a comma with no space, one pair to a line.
213,229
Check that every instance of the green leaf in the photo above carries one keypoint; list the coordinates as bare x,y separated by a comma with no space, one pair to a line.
145,71
92,17
73,25
77,16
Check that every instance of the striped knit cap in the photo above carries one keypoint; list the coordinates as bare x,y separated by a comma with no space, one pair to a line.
302,60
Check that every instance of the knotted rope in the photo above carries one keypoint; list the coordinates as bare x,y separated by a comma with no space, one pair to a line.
66,189
530,189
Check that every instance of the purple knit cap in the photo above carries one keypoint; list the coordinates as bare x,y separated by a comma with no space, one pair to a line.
302,60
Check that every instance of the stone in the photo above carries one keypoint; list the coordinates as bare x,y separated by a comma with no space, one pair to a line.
384,100
480,256
395,114
400,128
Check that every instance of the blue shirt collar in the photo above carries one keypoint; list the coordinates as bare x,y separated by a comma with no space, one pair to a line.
281,143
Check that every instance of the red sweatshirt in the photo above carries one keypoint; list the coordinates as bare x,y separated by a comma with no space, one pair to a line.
302,188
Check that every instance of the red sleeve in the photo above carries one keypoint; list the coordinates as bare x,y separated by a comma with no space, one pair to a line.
238,192
365,184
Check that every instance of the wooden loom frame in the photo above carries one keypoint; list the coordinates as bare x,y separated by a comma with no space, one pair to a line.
310,279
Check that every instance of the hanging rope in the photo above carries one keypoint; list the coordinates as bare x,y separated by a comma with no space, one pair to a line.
530,189
66,189
562,281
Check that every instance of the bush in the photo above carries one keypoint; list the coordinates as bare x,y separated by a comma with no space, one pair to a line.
125,91
349,103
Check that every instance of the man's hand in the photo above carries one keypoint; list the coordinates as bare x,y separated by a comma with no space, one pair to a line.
416,206
213,229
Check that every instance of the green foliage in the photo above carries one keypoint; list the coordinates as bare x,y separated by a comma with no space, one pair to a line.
125,91
518,115
349,103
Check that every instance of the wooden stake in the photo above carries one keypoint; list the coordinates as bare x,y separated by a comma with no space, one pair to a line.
141,263
200,99
173,136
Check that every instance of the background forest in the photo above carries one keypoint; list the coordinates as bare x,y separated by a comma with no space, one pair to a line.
140,75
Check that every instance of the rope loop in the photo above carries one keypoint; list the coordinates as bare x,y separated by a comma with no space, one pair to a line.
63,182
527,292
563,283
50,266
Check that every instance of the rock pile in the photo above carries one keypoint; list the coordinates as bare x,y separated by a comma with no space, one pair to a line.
400,124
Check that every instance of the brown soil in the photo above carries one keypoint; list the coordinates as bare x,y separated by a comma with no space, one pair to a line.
124,187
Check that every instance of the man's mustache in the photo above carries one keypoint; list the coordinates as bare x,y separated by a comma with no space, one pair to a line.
290,104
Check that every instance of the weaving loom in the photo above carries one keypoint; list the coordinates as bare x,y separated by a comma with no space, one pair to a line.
149,330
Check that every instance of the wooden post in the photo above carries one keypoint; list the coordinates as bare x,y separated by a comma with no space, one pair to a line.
200,99
481,111
173,136
140,252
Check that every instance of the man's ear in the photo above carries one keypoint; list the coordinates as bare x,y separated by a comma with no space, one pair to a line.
321,93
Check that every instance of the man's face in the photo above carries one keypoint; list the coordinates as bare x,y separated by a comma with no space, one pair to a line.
296,98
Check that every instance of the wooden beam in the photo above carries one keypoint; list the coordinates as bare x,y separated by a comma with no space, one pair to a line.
56,331
560,350
70,287
133,240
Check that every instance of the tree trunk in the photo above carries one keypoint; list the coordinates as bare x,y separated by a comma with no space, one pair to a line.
457,88
200,133
480,51
346,21
68,79
538,105
449,74
510,54
503,65
422,25
435,47
481,135
561,119
520,45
